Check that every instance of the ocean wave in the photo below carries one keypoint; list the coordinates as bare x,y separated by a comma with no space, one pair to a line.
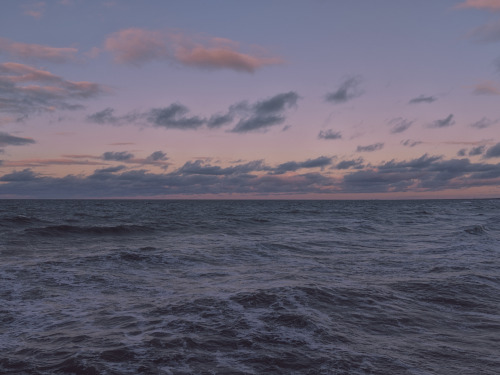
61,230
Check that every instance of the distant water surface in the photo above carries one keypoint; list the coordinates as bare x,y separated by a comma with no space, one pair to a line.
250,287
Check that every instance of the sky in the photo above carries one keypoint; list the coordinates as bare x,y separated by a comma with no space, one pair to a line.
274,99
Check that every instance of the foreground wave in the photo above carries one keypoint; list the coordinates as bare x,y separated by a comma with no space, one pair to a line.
232,287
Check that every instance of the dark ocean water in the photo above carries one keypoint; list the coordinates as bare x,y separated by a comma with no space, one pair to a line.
250,287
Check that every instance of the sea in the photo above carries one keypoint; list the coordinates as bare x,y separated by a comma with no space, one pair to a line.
250,287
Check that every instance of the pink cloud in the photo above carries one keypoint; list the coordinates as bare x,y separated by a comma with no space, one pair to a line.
222,58
491,5
34,10
37,51
486,88
138,46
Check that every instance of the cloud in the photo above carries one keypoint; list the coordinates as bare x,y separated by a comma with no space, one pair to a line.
349,89
489,33
106,116
329,134
222,58
348,164
34,10
477,150
399,125
484,123
10,140
117,156
462,152
442,123
486,88
370,148
422,99
25,90
410,143
491,5
493,152
138,46
293,166
174,117
216,121
157,156
37,52
263,114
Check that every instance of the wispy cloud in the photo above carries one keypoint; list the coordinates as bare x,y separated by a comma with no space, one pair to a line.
329,134
138,46
34,10
292,166
11,140
486,88
442,123
370,148
174,117
399,125
488,33
484,123
263,114
37,52
348,89
26,90
491,5
422,99
259,116
410,143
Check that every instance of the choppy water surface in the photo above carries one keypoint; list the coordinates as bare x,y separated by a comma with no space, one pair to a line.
250,287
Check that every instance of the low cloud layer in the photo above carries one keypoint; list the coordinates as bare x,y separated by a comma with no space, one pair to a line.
423,174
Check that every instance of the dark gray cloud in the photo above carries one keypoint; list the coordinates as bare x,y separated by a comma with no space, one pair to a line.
479,150
442,123
292,166
349,89
25,90
106,116
399,125
484,123
493,151
426,173
263,114
157,156
19,176
370,148
117,156
462,152
216,121
174,117
329,134
422,99
348,164
410,143
11,140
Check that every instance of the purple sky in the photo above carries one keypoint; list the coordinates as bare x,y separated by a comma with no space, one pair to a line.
258,99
